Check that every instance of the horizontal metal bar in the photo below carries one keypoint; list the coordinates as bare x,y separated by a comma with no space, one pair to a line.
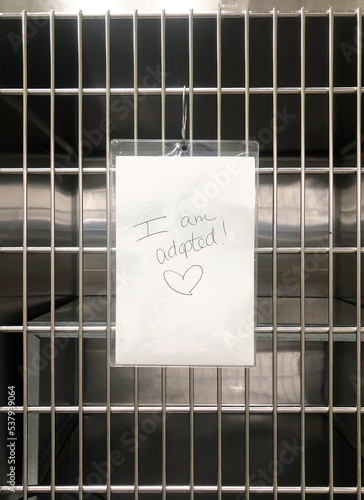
57,249
181,488
58,170
178,90
46,328
101,328
46,170
263,332
95,333
315,170
309,250
261,250
308,170
317,330
237,408
102,170
182,14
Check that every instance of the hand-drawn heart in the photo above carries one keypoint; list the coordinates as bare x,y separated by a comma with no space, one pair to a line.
184,283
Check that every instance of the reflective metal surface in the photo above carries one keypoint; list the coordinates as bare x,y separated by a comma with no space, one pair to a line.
294,83
155,6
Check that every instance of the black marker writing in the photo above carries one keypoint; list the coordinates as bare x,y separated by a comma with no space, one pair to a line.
194,244
192,221
184,283
223,226
148,229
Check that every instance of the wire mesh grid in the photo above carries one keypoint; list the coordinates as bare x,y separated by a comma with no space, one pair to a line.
272,331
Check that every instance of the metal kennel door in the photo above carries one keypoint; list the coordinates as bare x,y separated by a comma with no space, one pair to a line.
72,80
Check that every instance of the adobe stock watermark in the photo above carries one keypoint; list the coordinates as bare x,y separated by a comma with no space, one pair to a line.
96,306
215,183
290,452
34,25
355,381
290,277
351,49
265,134
98,475
120,108
38,360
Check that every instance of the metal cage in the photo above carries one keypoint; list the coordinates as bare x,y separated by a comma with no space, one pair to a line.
291,426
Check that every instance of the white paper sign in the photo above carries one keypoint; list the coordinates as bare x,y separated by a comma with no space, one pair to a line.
185,234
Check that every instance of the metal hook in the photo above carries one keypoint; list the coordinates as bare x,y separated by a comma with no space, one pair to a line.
184,118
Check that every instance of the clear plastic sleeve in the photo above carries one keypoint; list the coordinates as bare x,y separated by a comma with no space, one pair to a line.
182,253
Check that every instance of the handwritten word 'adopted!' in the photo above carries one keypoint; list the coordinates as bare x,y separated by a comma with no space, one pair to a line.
194,243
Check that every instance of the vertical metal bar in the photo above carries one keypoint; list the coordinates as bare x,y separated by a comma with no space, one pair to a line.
136,370
190,64
52,186
219,369
108,256
163,72
164,373
192,436
191,369
25,254
274,297
302,228
80,257
136,433
135,63
247,88
218,76
164,435
358,251
247,370
219,433
331,255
